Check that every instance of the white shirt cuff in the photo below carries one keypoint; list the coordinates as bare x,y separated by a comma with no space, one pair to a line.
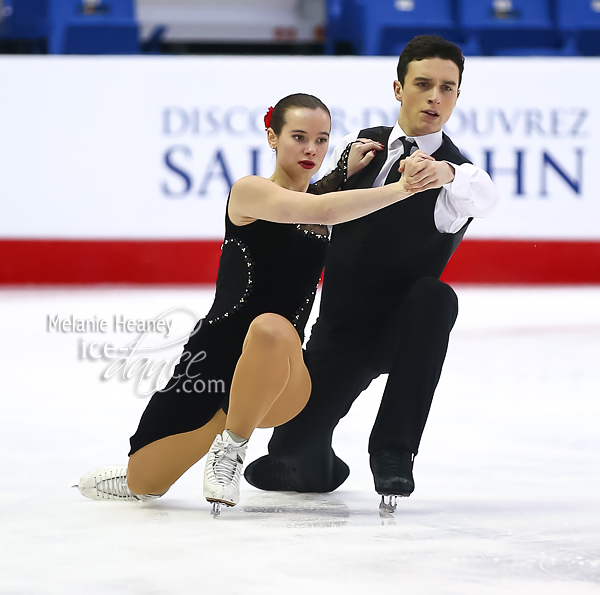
472,192
461,185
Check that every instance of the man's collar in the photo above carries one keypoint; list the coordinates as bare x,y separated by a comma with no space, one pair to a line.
429,143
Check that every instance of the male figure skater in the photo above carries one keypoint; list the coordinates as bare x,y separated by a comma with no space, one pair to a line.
383,307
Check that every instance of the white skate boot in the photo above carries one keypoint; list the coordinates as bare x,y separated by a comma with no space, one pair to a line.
223,470
110,483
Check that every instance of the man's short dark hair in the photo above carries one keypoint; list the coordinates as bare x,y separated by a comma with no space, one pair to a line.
429,46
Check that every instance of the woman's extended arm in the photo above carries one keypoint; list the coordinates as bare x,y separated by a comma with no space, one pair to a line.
254,198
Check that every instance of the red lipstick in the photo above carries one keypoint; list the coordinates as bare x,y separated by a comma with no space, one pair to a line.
307,164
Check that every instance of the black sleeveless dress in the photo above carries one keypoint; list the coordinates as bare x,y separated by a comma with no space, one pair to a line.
264,267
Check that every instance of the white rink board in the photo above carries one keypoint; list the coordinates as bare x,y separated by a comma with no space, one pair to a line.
146,147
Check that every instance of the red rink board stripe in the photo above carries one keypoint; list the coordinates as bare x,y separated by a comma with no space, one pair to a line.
155,262
82,262
525,261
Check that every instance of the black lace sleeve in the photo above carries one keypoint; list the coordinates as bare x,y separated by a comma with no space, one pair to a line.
333,181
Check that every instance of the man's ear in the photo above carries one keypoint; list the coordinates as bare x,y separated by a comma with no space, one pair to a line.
398,91
458,94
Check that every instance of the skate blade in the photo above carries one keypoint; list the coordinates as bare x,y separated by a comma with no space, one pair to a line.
216,507
388,507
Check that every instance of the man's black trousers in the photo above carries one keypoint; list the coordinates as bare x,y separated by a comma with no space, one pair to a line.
410,346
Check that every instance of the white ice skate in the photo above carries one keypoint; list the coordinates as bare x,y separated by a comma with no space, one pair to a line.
110,483
223,470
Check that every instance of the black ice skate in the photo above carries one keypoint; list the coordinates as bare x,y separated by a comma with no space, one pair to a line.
392,473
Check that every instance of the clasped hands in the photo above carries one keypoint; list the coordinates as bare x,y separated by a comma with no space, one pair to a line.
420,171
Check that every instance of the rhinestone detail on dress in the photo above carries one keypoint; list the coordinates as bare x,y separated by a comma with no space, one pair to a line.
250,266
305,303
311,232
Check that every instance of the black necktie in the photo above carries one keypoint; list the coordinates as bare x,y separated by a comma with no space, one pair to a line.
394,174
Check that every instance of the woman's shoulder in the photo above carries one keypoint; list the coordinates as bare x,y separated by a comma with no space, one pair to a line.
250,184
250,198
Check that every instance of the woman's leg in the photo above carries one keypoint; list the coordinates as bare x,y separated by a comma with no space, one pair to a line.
271,384
157,466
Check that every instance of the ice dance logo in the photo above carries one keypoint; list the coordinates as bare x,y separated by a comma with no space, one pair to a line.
152,362
192,383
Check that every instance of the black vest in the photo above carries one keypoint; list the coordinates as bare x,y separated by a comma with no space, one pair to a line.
373,261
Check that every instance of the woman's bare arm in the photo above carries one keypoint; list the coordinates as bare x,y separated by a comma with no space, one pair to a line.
254,198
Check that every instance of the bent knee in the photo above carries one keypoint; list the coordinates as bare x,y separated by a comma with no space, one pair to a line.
434,289
141,480
435,295
272,331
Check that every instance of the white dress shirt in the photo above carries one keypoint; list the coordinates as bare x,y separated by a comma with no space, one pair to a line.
471,194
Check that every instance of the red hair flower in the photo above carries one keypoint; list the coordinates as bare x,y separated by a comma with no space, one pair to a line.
268,117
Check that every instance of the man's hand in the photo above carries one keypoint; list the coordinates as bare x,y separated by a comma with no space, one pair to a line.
422,172
361,154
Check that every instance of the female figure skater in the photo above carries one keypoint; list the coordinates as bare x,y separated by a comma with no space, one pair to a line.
243,365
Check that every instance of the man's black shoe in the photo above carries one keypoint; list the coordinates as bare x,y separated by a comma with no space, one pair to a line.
268,473
392,472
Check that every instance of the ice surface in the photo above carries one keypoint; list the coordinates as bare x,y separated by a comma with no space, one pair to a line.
508,475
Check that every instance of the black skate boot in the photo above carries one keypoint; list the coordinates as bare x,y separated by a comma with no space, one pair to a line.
392,473
268,473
